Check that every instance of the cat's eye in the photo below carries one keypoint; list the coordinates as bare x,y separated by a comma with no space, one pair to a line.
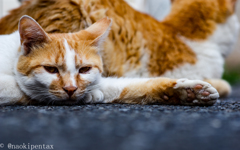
51,69
84,69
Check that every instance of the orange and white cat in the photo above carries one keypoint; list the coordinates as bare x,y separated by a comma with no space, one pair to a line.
67,69
191,42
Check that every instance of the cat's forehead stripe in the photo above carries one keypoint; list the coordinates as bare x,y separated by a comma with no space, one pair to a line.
70,61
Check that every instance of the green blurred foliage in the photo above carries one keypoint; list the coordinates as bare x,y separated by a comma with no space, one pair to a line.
232,76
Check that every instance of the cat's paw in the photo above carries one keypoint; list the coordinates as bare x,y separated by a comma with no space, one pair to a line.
196,92
95,96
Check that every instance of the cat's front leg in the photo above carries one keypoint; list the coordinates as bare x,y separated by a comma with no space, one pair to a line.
10,93
156,90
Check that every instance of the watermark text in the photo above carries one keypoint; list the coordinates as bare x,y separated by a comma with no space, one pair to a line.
28,146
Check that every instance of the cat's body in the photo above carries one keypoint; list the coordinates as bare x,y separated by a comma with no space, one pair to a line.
211,51
188,43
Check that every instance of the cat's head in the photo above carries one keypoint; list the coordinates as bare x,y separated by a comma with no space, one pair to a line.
59,67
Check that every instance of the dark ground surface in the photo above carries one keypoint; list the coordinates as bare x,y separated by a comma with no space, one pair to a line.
124,127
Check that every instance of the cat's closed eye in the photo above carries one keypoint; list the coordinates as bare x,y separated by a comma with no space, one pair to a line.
84,69
51,69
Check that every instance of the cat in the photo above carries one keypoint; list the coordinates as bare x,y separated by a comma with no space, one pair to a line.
195,36
66,68
191,42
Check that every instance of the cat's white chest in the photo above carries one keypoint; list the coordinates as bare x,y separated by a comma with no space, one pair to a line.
210,53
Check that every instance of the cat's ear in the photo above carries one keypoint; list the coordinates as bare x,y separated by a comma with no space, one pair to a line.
100,30
31,34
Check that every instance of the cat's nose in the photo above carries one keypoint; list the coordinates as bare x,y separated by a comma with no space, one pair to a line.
70,90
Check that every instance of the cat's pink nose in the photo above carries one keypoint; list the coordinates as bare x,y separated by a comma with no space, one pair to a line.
70,90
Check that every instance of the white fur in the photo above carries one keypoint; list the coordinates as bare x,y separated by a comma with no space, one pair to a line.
210,53
35,86
9,91
138,5
70,62
9,45
111,88
91,76
226,35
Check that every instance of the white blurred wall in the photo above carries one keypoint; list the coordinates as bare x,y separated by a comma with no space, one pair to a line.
156,8
137,4
6,5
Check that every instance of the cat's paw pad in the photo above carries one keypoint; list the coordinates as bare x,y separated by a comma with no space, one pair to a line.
196,92
165,97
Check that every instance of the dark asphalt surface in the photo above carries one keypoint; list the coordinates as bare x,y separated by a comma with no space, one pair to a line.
124,127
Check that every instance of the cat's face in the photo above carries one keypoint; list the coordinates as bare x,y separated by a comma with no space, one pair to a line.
59,67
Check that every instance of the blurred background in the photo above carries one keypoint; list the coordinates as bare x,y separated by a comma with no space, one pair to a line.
159,9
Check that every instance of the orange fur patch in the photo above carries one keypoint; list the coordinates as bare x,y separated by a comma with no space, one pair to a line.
153,91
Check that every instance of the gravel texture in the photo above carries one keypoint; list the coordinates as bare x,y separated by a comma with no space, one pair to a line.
124,127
